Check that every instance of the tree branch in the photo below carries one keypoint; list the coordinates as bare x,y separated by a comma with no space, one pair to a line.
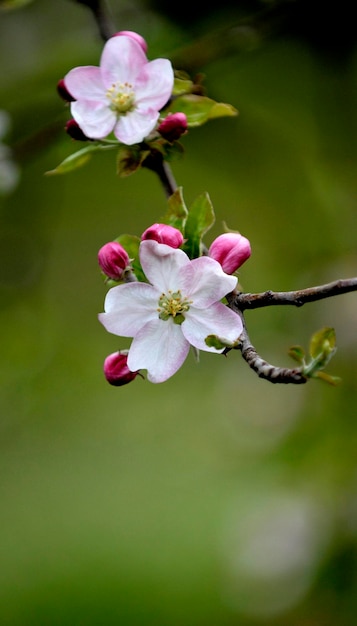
264,369
297,298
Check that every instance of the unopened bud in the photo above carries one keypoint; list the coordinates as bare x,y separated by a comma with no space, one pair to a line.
74,130
113,260
138,38
63,91
173,126
116,370
163,233
231,250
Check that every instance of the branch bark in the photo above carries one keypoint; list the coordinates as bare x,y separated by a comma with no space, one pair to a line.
295,298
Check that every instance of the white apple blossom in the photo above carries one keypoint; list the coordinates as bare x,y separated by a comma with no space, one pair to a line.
180,307
124,95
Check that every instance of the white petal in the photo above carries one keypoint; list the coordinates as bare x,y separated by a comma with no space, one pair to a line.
122,60
95,119
204,281
85,83
153,86
217,319
162,265
128,308
160,348
135,126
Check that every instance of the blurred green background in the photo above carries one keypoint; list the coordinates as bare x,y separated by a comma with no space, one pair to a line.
216,498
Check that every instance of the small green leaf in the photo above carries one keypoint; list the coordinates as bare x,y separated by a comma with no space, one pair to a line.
177,212
331,380
74,161
182,84
200,109
200,219
218,343
297,353
131,244
323,342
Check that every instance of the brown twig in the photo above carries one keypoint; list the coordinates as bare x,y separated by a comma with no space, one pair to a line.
269,372
296,298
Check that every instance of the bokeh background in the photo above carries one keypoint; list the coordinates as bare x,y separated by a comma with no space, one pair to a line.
216,498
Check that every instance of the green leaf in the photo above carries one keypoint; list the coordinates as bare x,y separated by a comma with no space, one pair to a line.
200,109
331,380
74,161
323,343
131,244
200,219
297,353
177,212
182,84
218,343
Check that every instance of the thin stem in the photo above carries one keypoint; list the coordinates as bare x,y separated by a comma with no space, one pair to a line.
295,298
155,162
101,15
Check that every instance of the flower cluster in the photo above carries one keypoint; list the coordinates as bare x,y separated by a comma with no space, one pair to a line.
177,306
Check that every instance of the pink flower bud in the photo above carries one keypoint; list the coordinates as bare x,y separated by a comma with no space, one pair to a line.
138,38
173,126
73,130
113,260
163,233
63,91
230,250
116,370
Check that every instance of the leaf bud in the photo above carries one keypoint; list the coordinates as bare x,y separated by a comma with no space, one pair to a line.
173,126
163,233
113,260
231,250
116,370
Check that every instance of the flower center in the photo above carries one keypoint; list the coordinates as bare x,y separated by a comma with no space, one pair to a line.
173,305
121,97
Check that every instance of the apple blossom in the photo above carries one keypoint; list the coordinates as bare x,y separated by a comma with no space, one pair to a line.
116,370
113,260
124,95
179,306
163,233
231,250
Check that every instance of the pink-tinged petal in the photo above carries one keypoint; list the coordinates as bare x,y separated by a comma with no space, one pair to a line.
121,61
204,281
135,126
95,120
85,83
128,308
153,86
160,348
163,264
217,319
